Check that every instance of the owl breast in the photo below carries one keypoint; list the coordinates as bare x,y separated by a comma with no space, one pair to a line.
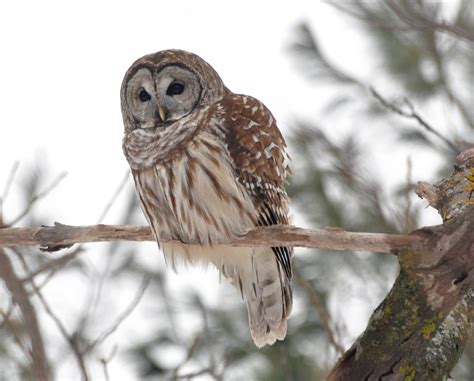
195,197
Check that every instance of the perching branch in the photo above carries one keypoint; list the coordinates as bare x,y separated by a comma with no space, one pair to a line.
279,235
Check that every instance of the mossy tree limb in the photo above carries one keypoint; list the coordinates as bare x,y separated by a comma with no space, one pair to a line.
419,331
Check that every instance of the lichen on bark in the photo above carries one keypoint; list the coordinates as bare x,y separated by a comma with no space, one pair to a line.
419,331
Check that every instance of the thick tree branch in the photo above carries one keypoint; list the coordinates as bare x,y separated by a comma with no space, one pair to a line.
420,329
281,235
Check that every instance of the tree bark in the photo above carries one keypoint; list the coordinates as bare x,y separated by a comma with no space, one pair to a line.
419,331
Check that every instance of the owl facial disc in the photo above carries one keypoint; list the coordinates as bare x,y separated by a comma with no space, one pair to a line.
159,97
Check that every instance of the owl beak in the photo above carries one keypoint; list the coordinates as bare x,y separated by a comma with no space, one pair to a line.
163,113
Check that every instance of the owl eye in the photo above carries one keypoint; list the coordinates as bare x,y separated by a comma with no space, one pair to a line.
175,88
144,96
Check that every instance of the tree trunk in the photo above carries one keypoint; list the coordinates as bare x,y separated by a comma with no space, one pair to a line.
419,331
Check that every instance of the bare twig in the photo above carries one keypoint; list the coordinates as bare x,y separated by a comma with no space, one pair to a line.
367,17
210,370
321,311
97,291
122,316
428,192
408,21
189,354
6,315
20,297
14,331
447,85
105,361
408,223
54,265
114,197
69,338
45,280
37,197
276,235
418,20
6,189
412,114
201,372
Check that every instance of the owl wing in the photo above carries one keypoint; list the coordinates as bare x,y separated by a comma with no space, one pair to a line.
257,148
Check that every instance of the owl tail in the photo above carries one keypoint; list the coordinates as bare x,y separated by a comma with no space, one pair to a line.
268,294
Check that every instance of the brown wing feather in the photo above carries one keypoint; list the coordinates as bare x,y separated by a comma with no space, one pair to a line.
258,151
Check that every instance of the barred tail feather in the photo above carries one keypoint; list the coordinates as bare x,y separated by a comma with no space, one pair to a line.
256,273
267,292
269,300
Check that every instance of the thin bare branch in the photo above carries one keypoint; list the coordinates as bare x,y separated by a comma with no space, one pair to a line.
40,366
418,20
95,300
413,21
408,224
105,361
45,281
37,197
69,338
201,372
189,354
315,300
122,317
14,330
114,197
54,265
366,17
277,235
6,189
412,114
6,315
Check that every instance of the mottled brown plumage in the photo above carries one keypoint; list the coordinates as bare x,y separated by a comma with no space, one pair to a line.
208,165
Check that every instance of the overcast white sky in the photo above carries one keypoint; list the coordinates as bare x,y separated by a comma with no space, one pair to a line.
63,62
62,65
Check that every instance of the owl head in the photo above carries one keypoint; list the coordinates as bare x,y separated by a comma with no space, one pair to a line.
162,88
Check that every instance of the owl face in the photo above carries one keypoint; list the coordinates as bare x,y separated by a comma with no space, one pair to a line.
164,87
159,98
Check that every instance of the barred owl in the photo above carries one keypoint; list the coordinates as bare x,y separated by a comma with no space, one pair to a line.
208,165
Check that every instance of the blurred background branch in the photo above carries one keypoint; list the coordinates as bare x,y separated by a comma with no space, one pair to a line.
35,350
413,115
